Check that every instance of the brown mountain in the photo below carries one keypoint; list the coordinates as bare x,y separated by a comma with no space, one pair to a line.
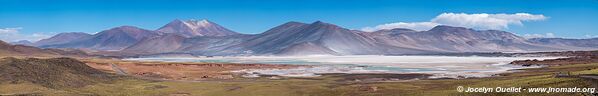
113,39
457,39
575,44
62,38
295,38
159,44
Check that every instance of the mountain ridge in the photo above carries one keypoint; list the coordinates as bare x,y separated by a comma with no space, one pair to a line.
62,38
112,39
7,49
316,38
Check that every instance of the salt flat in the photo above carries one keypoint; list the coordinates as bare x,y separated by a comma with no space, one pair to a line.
441,66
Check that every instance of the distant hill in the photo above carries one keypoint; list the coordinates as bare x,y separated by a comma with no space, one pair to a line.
458,39
30,51
62,38
316,39
567,43
22,42
113,39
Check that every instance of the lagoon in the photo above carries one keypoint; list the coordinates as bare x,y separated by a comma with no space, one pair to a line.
439,66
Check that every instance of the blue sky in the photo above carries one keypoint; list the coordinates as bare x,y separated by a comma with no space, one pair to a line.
34,19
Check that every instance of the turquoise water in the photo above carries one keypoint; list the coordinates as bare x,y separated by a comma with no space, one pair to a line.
297,62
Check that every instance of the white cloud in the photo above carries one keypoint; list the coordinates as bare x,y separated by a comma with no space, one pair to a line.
550,35
591,36
477,21
485,21
9,30
546,35
13,34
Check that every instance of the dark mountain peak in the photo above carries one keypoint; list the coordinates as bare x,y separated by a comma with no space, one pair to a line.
323,25
293,23
125,27
445,28
70,34
175,22
128,29
22,42
132,31
499,32
285,27
318,22
62,38
113,39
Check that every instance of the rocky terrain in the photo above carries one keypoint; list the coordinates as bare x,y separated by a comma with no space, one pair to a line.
51,73
211,85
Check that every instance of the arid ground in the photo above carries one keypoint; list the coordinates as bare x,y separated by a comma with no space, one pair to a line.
211,79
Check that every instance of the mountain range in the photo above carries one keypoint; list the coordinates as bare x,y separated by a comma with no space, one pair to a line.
203,37
7,49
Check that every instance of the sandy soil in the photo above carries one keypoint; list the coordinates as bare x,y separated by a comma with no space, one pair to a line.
177,71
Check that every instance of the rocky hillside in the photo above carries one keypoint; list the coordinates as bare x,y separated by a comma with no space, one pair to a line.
62,38
113,39
458,39
318,38
191,28
51,73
